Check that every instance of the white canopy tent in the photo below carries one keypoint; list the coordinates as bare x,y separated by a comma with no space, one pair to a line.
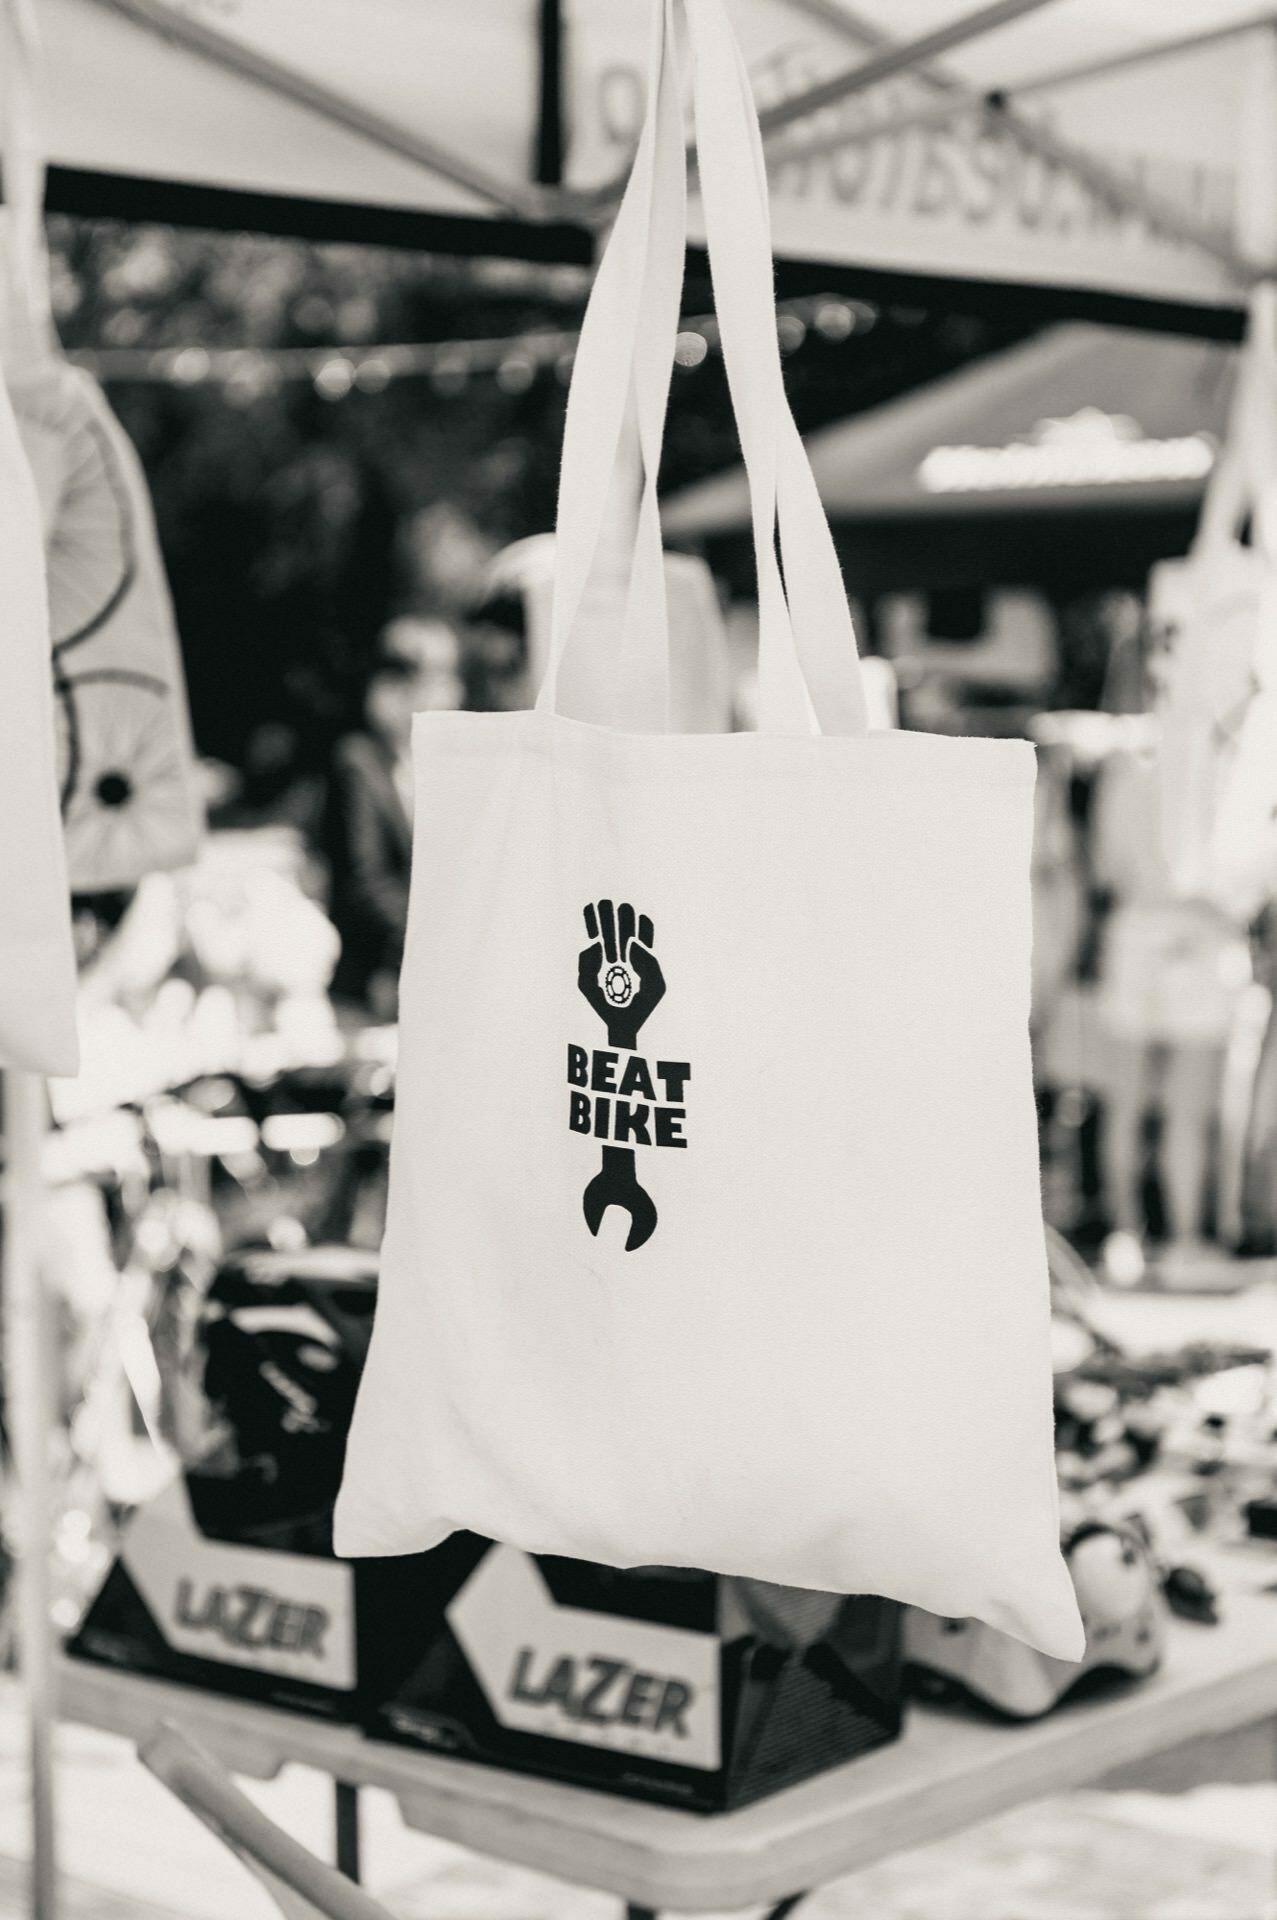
1111,147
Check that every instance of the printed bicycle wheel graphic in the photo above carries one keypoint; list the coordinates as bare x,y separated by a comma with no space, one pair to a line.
89,537
122,776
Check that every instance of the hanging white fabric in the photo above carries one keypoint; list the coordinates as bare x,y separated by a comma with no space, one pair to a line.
37,963
714,1231
1243,844
1217,710
128,784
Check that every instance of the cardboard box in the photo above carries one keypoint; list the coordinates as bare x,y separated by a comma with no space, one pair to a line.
665,1685
226,1579
247,1620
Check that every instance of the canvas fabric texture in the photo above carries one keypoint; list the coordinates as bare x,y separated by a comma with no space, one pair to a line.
715,1233
37,961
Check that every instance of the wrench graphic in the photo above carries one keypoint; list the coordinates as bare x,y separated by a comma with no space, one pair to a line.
621,978
616,1184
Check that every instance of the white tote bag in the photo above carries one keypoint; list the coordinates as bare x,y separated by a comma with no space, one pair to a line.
714,1233
1242,852
128,780
1217,711
127,777
37,962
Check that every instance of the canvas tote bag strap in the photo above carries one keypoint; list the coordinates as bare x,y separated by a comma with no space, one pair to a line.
26,321
1246,470
642,702
626,297
813,606
738,231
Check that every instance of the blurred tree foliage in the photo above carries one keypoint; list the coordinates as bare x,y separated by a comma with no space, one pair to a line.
294,526
291,523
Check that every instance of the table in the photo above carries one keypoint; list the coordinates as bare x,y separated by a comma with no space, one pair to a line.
948,1771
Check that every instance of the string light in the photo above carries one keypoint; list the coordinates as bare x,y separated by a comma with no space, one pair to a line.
373,375
334,379
791,330
516,373
514,360
839,319
450,372
190,366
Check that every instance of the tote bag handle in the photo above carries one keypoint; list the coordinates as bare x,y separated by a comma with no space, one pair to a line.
813,610
1245,476
628,335
625,295
26,315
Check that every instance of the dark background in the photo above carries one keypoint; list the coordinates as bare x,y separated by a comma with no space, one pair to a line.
294,525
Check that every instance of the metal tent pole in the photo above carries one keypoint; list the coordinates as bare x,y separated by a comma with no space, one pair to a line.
1032,135
898,56
172,23
27,1354
1078,72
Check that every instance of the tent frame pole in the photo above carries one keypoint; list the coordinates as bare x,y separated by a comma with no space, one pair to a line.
161,18
1182,43
999,109
1107,184
549,138
891,57
888,57
28,1358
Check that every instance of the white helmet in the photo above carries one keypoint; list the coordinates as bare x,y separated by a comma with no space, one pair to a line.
1119,1597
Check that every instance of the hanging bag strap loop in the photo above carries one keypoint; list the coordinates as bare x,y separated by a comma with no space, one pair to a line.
604,368
627,337
644,669
26,314
814,608
1246,472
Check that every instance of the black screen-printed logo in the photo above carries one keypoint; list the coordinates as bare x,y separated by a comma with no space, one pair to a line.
624,1100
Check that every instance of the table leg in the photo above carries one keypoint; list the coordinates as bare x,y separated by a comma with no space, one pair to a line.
346,1829
784,1908
780,1911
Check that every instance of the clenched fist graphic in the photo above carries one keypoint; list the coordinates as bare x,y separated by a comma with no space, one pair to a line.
618,972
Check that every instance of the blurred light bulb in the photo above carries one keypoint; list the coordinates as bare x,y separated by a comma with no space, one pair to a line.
190,366
335,379
450,373
690,348
516,374
372,375
791,331
834,320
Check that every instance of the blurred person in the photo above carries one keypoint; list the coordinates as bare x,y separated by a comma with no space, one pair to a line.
1259,1182
969,660
445,555
1124,632
1173,971
1059,886
1102,658
367,826
496,654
